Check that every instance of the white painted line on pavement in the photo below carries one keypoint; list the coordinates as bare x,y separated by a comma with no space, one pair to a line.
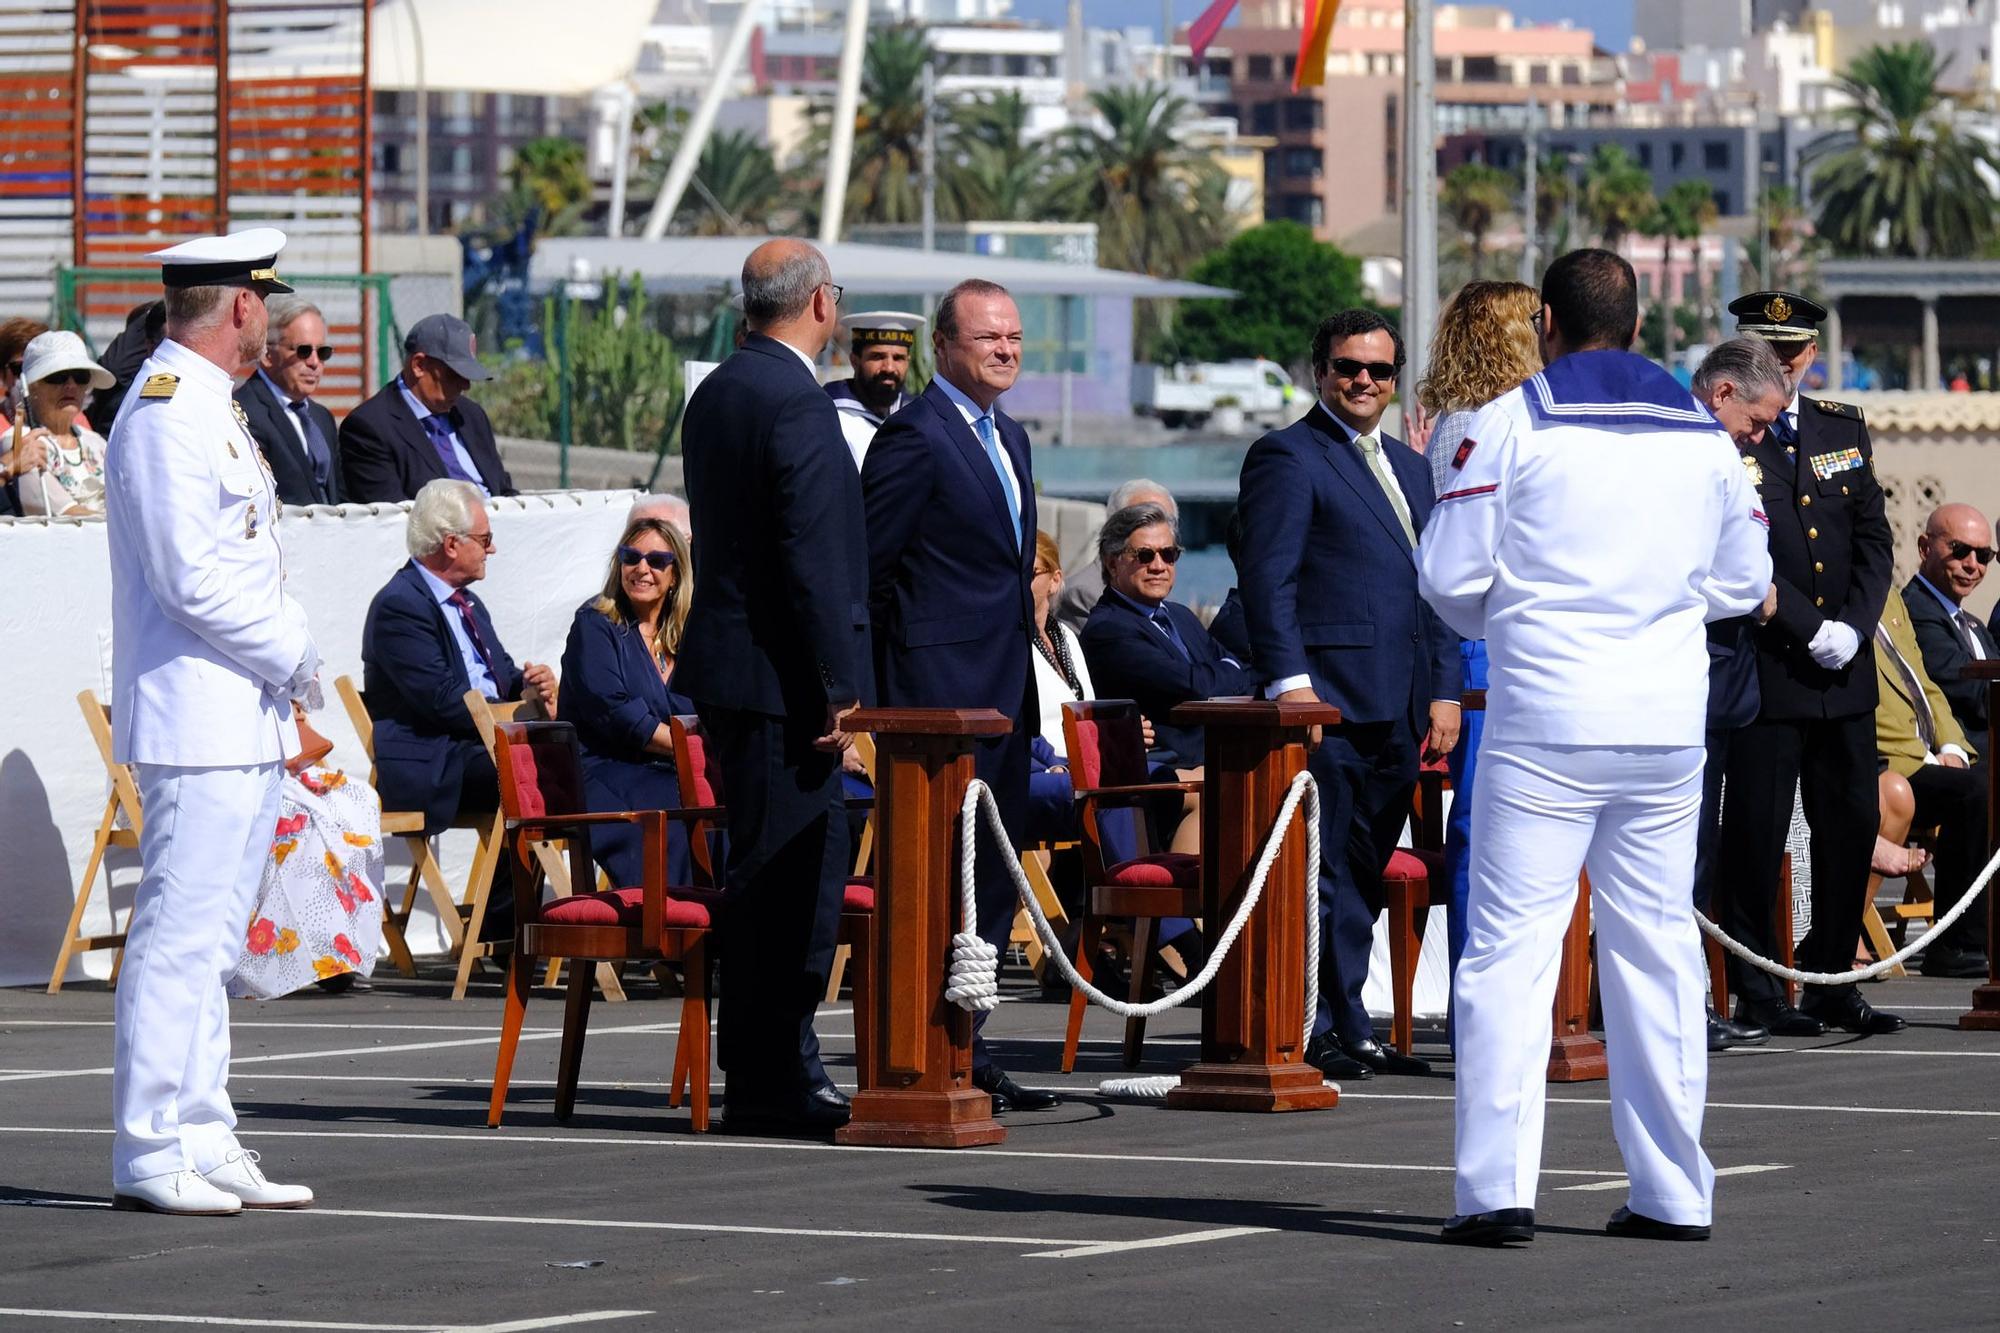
1158,1242
240,1026
511,1326
1713,1106
1755,1169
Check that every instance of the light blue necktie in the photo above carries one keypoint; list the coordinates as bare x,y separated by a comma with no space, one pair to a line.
983,426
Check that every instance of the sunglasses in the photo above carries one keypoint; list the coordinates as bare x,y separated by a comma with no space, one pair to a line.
306,352
1959,550
76,377
1348,368
657,561
485,539
1144,555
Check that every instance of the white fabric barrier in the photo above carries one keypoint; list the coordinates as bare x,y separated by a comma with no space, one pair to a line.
550,553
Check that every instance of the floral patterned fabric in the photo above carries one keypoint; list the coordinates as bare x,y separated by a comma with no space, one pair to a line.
319,908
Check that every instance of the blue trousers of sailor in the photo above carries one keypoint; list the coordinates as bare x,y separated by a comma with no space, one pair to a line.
1540,814
206,837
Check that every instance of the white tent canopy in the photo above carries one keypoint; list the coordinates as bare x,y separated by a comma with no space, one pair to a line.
475,46
706,263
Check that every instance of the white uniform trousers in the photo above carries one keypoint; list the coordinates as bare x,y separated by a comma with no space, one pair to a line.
1539,814
206,838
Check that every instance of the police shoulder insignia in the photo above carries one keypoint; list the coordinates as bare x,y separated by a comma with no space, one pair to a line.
161,385
1831,408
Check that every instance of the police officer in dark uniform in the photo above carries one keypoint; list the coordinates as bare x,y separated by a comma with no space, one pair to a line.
1831,556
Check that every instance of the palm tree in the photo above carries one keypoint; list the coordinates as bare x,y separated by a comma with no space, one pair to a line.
1475,197
885,184
1911,184
735,190
1617,194
1158,204
1787,234
998,173
1691,203
552,172
1555,197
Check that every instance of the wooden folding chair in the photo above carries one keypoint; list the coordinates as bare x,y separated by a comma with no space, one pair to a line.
541,800
486,715
701,783
124,799
1885,928
1107,763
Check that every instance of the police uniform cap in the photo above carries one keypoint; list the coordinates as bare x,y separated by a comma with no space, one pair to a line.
897,328
246,258
1778,316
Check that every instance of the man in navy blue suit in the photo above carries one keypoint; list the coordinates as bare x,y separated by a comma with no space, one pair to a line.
422,426
775,654
427,640
950,498
1332,511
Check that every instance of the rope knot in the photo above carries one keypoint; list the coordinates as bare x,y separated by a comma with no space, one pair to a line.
974,980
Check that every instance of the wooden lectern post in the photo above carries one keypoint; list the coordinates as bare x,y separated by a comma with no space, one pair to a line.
1253,1013
1575,1056
1984,1016
916,1080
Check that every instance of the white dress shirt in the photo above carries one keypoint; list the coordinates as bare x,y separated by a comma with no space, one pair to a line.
475,665
419,411
1953,609
972,411
284,402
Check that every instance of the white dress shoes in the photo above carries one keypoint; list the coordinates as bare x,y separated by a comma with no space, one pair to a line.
240,1176
183,1193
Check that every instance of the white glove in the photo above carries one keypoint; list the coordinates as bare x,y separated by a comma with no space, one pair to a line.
1835,645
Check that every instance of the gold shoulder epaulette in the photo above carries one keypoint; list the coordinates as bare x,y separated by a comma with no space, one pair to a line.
161,385
1831,408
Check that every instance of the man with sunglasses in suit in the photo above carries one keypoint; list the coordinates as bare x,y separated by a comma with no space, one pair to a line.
1831,555
1332,511
297,435
1953,552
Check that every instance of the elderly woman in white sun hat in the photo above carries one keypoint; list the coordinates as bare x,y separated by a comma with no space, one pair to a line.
58,375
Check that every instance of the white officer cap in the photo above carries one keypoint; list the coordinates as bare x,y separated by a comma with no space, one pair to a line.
898,328
246,258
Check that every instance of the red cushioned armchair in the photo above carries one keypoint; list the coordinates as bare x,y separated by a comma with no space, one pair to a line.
1104,740
541,796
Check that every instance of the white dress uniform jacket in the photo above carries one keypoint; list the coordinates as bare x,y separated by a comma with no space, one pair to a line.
1589,557
208,650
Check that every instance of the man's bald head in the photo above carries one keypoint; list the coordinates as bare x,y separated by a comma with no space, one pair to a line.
1954,550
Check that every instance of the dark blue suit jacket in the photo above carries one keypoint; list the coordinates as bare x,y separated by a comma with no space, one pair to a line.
1733,697
271,426
385,455
1228,628
414,681
780,619
949,579
1330,584
1130,659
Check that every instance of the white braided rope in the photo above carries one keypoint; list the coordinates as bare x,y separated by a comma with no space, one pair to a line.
973,981
1875,969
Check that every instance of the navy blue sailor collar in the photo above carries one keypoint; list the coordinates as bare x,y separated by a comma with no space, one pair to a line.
1607,387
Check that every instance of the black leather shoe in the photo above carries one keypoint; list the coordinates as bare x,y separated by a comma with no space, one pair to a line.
1718,1040
345,983
1724,1033
1779,1019
1846,1010
1638,1226
1503,1226
813,1113
1960,964
1325,1054
1385,1059
1008,1095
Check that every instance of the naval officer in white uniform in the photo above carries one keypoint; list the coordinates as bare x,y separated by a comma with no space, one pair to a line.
882,342
207,654
1596,518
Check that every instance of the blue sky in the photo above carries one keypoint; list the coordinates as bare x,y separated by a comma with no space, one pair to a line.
1610,19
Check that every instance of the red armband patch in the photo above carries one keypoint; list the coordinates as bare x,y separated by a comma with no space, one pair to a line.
1464,452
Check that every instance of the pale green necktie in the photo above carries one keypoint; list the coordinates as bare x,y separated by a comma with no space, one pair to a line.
1385,476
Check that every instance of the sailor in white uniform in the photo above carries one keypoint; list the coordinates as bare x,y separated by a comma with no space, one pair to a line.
1598,516
208,653
882,343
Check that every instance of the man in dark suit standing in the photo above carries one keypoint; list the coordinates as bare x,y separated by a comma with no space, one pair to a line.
1953,553
421,427
297,435
1815,728
427,640
950,497
1332,510
774,656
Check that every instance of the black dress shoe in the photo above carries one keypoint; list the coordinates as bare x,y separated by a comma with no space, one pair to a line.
1008,1095
1723,1033
1638,1226
1385,1059
814,1112
345,983
1503,1226
1960,964
1779,1019
1846,1010
1718,1040
1325,1054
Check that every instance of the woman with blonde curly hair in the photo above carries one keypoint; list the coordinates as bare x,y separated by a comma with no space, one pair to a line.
1485,345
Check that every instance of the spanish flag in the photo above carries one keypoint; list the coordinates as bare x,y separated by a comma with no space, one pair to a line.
1313,37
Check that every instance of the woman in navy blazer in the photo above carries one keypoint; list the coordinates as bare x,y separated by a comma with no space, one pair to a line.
615,673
